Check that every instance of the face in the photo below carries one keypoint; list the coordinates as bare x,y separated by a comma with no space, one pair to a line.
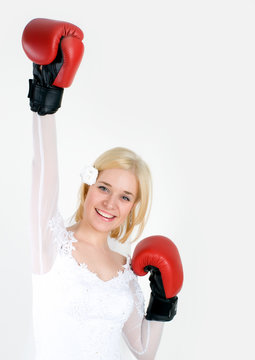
110,199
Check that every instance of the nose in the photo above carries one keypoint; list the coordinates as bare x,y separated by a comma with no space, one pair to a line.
110,202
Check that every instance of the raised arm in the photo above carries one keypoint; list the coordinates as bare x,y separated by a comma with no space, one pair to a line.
44,196
56,50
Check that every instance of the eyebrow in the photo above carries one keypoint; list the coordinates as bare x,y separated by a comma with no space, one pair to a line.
107,184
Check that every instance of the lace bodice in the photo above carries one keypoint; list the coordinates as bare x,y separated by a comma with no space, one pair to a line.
77,315
88,312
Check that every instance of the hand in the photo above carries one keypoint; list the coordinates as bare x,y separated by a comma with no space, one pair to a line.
56,49
160,256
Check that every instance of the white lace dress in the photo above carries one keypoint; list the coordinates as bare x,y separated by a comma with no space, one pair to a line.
77,315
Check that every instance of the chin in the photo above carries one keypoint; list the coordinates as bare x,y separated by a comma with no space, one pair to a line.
105,228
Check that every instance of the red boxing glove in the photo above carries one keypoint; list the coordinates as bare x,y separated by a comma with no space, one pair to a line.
58,47
160,256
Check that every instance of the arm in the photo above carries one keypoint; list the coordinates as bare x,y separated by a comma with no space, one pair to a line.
159,255
142,336
44,196
56,57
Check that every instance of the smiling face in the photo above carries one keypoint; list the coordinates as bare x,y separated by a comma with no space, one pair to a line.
110,199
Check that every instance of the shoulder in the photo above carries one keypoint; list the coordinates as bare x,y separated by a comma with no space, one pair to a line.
72,227
120,259
56,224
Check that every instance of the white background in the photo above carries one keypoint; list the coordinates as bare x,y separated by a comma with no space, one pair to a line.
174,81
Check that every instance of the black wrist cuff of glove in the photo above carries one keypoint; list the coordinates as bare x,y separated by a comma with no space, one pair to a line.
161,309
44,100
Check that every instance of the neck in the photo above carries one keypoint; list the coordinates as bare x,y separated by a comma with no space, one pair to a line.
86,234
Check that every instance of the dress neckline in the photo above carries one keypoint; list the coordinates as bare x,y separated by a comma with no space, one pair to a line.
84,266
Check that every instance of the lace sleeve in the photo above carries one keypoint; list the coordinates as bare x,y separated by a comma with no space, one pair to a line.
142,336
44,195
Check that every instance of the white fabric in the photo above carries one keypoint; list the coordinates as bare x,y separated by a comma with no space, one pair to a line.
77,316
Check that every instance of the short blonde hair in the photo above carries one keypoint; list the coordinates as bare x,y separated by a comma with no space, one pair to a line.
122,158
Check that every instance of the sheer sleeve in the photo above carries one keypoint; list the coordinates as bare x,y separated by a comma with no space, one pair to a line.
44,194
141,336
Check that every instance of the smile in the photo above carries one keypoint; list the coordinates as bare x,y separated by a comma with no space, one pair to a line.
105,215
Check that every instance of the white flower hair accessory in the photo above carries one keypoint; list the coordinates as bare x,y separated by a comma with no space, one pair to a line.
89,174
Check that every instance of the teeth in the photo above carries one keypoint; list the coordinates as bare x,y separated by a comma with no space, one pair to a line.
104,214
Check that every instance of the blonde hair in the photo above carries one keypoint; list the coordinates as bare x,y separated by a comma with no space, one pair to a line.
122,158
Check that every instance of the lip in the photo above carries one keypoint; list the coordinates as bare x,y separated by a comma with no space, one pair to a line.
105,218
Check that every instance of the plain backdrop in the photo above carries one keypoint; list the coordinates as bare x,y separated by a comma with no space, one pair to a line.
174,81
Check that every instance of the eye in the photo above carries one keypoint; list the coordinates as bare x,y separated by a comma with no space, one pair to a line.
125,198
103,188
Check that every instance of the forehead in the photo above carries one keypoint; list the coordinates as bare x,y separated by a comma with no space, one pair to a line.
123,180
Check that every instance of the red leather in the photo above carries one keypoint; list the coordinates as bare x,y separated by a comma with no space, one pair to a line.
40,41
162,253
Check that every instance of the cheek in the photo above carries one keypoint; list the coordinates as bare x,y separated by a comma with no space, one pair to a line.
90,199
127,210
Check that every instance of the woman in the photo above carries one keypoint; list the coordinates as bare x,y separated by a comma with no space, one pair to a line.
85,295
